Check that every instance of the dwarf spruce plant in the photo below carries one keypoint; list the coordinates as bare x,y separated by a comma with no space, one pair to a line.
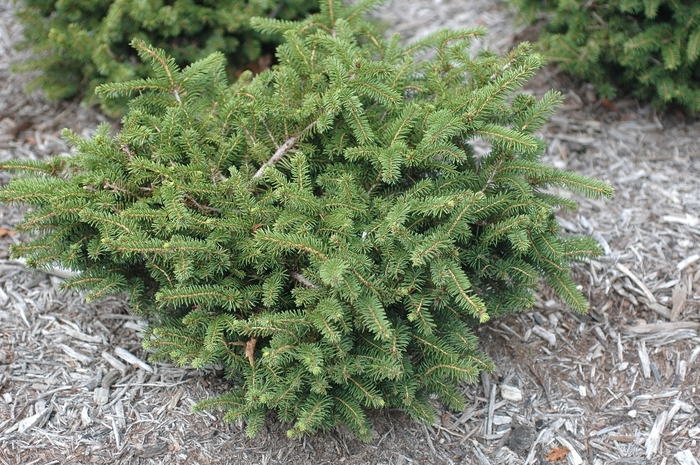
650,48
80,44
324,230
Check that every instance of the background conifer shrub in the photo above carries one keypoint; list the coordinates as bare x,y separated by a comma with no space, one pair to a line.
80,44
324,230
647,47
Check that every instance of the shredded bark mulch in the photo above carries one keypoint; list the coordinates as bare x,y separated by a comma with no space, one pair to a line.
618,385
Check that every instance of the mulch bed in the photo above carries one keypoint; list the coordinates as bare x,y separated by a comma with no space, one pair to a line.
616,386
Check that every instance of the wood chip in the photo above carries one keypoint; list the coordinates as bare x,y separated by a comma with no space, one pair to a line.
644,359
679,297
687,262
622,437
101,395
657,307
492,408
548,336
75,334
74,354
38,419
662,327
176,398
657,395
511,393
654,171
637,281
687,220
117,436
150,450
652,442
573,456
119,416
21,305
480,456
132,359
685,457
110,378
85,417
116,364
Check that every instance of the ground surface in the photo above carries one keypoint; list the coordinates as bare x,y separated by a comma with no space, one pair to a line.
617,386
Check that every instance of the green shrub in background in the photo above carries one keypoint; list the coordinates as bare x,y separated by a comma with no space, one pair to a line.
81,44
324,230
647,47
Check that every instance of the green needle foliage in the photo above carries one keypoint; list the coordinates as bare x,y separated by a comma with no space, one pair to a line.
647,47
81,44
324,230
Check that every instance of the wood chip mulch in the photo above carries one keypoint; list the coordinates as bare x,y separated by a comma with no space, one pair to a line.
618,385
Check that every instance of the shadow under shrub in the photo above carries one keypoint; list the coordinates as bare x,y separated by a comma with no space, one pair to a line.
324,230
647,47
81,44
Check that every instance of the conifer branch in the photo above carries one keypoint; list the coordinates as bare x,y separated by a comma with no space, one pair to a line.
269,133
283,149
200,206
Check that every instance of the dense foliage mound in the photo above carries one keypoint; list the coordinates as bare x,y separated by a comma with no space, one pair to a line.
324,230
81,44
647,47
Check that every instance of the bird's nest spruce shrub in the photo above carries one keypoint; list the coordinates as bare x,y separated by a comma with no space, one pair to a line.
80,44
325,230
650,48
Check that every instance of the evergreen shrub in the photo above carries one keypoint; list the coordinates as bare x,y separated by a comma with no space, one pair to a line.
647,47
80,44
324,230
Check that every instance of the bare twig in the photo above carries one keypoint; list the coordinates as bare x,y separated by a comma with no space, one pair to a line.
303,280
283,149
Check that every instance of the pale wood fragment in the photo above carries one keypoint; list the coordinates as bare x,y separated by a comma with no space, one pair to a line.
679,297
685,457
117,436
480,456
119,414
116,364
492,408
74,354
643,287
662,327
76,334
573,455
100,395
20,305
622,437
511,393
683,264
657,307
548,336
85,417
132,359
657,395
654,439
694,355
38,419
644,359
687,220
